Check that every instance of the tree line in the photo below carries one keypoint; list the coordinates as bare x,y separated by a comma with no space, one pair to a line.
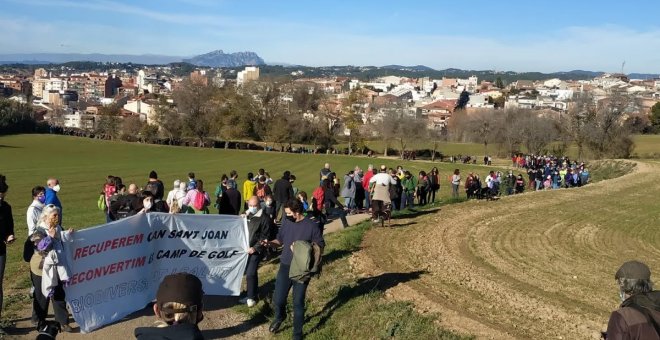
603,128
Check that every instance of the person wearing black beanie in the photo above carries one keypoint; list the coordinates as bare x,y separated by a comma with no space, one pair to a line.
155,185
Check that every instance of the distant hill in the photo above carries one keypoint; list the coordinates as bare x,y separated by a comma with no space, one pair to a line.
643,76
212,59
417,68
57,58
221,59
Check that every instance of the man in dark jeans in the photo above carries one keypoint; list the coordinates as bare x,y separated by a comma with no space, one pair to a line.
295,227
6,233
259,225
282,192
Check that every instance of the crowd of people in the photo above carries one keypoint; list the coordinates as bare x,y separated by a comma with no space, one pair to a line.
278,215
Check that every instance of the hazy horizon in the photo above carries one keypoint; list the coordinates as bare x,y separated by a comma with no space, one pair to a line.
519,36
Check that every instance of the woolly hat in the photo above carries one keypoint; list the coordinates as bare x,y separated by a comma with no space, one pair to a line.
633,270
183,288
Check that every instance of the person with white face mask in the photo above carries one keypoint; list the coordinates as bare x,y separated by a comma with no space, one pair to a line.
259,226
52,188
152,204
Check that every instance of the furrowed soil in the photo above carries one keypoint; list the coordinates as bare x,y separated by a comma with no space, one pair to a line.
534,266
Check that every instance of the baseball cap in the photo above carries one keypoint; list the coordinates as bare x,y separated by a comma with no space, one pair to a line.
183,288
633,270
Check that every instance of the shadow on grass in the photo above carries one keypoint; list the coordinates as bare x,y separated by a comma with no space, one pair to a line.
399,225
258,317
10,146
363,286
412,213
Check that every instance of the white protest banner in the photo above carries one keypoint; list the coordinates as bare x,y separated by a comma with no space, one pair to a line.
115,268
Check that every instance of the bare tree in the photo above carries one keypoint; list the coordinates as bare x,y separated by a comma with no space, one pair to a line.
131,127
196,101
607,133
574,123
537,131
388,127
169,120
109,123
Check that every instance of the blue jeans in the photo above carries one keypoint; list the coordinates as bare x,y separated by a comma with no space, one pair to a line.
349,202
407,200
282,286
367,200
251,276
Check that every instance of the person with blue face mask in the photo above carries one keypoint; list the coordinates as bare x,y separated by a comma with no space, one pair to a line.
259,226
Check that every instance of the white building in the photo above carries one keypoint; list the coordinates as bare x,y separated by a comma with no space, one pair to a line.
56,84
552,83
560,95
479,100
78,120
146,111
249,74
392,80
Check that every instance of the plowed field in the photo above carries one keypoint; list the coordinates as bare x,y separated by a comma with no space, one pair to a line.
534,266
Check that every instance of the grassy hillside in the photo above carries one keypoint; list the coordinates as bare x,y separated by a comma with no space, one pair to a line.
646,146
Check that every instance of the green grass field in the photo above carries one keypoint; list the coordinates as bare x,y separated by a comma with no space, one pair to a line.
646,146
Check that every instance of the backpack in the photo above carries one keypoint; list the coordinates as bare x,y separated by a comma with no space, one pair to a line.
125,209
318,197
199,201
102,203
306,261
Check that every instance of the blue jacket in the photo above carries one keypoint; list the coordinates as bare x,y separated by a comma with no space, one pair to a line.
51,198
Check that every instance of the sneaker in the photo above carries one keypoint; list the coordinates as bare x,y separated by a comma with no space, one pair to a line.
275,326
249,302
67,328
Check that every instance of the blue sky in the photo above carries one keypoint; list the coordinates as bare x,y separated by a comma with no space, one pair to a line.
501,35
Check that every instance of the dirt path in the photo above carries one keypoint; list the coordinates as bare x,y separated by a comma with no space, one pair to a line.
219,320
538,265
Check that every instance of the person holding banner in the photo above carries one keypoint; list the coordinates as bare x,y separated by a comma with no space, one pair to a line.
259,226
295,227
179,309
48,227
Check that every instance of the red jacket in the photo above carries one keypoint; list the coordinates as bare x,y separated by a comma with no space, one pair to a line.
366,178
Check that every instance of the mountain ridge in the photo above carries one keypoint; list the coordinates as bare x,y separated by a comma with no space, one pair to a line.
219,58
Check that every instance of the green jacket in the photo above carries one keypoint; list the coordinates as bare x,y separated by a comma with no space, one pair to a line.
306,261
409,184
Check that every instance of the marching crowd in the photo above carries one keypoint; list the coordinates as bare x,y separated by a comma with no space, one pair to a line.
279,216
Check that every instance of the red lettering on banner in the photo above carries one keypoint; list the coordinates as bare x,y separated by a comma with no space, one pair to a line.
119,242
109,269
